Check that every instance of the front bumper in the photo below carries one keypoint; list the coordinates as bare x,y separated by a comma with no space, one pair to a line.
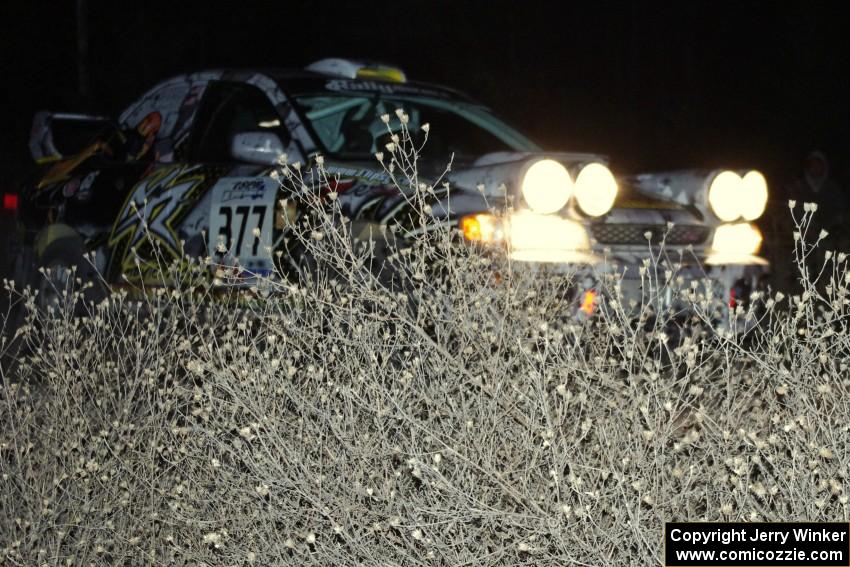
678,289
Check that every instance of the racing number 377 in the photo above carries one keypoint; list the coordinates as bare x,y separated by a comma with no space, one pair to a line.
242,215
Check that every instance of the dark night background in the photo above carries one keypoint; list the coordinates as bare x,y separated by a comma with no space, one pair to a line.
654,86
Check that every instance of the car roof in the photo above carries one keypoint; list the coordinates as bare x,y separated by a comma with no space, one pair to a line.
296,81
408,87
176,99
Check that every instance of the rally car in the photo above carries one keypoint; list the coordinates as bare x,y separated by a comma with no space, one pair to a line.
192,162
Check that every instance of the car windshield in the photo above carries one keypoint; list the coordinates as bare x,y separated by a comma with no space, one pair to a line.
349,126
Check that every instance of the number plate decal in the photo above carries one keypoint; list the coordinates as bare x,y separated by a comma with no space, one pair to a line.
242,220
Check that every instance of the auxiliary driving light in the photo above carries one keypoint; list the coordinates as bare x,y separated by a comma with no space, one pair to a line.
723,195
732,197
754,199
596,189
547,186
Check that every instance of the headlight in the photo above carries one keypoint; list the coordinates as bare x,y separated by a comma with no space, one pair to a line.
596,189
741,239
547,238
732,197
754,199
547,186
723,195
482,228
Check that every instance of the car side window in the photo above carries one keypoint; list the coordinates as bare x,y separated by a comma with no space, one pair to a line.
226,110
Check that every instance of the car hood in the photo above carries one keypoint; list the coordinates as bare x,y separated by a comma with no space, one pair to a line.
499,175
489,181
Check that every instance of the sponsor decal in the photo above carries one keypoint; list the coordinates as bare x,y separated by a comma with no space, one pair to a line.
360,173
251,189
351,85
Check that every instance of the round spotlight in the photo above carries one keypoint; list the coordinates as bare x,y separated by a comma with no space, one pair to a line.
596,189
724,195
546,186
754,198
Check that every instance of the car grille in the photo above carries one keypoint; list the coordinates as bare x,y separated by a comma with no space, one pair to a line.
618,233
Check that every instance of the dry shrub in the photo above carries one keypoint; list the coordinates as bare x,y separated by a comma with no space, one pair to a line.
416,411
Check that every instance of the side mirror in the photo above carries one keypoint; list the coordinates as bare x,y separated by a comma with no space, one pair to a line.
261,148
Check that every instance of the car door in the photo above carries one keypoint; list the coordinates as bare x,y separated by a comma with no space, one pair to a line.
201,194
239,207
